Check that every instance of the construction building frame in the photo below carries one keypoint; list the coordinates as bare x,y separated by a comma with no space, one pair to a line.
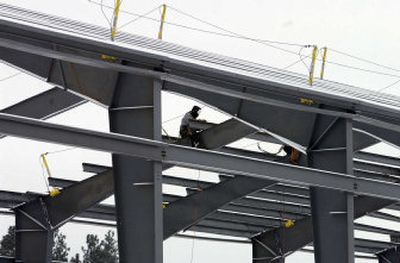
334,183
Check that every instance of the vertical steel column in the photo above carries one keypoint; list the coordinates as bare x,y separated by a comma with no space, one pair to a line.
33,234
333,211
136,110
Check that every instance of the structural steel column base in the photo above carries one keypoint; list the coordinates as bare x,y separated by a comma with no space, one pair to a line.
33,234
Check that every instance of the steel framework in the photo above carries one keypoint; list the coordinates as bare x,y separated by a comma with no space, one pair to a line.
334,183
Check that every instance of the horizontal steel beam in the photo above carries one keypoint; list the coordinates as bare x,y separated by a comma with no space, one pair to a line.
162,76
194,158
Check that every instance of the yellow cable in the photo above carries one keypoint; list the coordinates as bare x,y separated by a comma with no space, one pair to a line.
53,192
115,20
45,163
163,14
312,67
323,62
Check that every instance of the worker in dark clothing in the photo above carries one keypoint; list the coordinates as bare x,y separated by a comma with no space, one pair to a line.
185,131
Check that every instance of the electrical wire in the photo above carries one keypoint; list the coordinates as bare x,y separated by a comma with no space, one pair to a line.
195,218
364,60
104,14
62,150
388,86
301,46
231,32
261,41
140,17
292,64
362,69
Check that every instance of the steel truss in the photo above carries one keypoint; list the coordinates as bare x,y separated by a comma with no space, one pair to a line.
332,185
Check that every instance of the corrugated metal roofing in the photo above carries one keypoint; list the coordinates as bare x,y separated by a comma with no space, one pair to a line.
212,60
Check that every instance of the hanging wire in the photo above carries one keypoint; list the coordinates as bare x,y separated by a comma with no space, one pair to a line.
140,17
261,41
292,64
364,60
361,69
303,57
104,14
388,86
62,150
233,33
299,45
230,33
195,218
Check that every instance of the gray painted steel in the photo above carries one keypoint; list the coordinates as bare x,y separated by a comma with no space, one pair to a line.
186,212
178,55
332,208
282,240
237,87
37,219
194,158
137,182
391,255
249,101
106,212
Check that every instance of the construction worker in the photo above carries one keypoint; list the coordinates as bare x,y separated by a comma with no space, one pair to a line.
185,131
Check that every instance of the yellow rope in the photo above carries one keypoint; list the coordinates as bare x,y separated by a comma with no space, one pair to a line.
312,67
115,20
325,49
163,14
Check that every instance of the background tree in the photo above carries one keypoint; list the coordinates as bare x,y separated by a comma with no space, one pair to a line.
104,251
75,259
110,247
7,243
60,248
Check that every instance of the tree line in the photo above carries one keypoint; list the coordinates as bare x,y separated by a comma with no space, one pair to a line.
95,250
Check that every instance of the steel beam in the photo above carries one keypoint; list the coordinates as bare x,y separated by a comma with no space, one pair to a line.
45,105
390,255
378,159
87,64
138,182
284,241
33,233
193,158
224,133
37,219
186,212
330,207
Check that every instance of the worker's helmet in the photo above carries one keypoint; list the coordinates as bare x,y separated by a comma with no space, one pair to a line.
196,109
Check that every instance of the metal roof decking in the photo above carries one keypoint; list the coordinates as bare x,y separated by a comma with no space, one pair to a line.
167,51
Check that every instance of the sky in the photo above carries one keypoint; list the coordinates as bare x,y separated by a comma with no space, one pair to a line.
362,28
